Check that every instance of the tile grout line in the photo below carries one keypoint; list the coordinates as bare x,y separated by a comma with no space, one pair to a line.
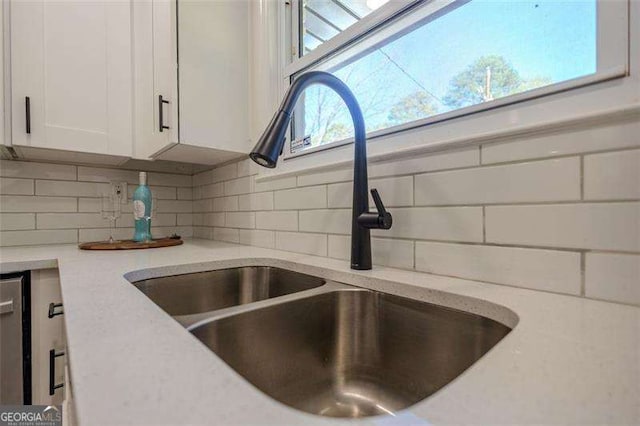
583,277
484,225
582,177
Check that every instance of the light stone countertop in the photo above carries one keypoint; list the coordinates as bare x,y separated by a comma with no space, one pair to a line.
568,360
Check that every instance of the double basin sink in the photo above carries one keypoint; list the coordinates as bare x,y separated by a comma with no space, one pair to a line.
323,347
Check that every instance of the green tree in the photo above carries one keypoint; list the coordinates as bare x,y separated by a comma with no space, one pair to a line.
336,131
488,77
412,107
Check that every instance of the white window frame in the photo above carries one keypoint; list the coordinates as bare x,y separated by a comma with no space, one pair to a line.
612,87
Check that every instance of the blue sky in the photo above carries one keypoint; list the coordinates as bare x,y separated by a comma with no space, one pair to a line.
545,38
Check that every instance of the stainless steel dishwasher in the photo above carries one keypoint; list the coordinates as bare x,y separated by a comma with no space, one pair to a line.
15,339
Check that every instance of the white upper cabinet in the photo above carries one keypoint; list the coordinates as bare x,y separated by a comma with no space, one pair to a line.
71,75
156,80
213,81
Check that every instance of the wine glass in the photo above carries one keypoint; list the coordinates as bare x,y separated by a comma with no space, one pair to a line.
148,215
111,210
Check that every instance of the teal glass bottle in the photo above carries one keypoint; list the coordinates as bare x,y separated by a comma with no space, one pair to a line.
142,210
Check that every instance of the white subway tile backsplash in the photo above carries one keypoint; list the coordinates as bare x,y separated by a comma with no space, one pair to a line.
167,179
549,270
184,219
384,252
277,220
256,201
98,174
182,231
238,186
23,169
596,226
599,138
158,192
445,220
167,231
200,206
203,178
175,206
258,238
329,176
198,218
11,186
314,197
314,244
614,277
225,204
211,191
327,221
395,192
17,221
552,180
203,232
340,195
29,238
71,220
184,193
430,162
71,189
435,223
94,205
247,168
213,219
226,234
63,204
196,192
275,184
612,176
240,220
30,204
227,172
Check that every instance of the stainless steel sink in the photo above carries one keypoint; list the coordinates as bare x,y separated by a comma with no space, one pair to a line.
196,293
350,353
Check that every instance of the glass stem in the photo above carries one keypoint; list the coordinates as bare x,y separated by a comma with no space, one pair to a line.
113,229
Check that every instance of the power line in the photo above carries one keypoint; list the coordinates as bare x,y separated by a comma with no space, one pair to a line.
402,70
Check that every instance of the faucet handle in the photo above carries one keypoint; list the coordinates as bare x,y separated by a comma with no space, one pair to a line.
378,201
384,218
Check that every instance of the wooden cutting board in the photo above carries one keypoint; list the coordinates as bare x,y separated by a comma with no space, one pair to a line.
130,244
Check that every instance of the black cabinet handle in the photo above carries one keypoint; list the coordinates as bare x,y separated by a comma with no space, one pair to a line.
160,111
52,310
27,110
52,371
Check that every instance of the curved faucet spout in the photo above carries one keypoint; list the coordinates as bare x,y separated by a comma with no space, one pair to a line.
270,145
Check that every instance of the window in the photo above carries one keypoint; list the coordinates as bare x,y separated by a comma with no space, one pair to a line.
444,59
321,20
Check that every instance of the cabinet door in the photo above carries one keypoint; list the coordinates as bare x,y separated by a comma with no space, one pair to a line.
213,55
46,334
155,53
71,61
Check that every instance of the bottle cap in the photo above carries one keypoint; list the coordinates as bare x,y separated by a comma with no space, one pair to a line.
143,178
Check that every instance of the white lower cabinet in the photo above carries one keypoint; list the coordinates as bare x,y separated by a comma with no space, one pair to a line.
47,339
